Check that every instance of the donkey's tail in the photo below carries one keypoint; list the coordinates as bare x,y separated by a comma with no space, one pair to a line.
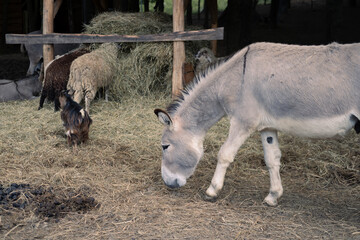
357,123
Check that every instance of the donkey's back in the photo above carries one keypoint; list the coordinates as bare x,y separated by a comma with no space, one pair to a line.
306,90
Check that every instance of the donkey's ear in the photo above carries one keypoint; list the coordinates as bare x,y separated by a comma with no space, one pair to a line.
163,117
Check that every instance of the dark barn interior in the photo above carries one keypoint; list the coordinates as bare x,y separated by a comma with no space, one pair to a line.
293,22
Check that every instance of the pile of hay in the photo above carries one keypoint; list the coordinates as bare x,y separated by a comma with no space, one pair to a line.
142,68
130,23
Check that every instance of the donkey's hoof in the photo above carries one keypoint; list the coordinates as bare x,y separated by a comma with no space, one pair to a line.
270,200
209,198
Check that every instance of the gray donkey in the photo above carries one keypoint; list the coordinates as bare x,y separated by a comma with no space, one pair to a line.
309,91
21,89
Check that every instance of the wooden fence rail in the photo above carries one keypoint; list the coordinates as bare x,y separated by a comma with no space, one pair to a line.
56,38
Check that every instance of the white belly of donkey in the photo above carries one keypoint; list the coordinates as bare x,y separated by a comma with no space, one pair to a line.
313,128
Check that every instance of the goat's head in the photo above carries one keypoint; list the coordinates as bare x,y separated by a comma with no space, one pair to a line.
64,98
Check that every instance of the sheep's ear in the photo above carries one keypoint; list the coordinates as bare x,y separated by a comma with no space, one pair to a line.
163,117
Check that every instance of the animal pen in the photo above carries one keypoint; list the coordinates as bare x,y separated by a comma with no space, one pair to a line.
112,187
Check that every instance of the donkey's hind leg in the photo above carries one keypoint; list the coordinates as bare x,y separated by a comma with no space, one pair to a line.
236,138
272,155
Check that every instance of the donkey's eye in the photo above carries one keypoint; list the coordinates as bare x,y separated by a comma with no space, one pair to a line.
164,147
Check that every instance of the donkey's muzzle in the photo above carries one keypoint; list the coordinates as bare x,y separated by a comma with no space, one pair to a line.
173,185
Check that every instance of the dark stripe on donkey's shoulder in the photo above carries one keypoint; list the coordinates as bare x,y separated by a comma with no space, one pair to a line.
244,64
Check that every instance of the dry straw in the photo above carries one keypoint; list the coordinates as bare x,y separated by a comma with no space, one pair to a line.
120,168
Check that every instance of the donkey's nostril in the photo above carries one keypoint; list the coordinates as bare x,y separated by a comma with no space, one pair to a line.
175,184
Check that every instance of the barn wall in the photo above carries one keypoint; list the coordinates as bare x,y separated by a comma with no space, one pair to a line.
11,16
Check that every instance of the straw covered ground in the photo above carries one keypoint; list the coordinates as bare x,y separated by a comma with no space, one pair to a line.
112,187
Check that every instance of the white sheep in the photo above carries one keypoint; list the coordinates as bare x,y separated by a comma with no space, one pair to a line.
92,71
203,59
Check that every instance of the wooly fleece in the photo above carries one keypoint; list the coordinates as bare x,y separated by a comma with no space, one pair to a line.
203,59
56,76
92,71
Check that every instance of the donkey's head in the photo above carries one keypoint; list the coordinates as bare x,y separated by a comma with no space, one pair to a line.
181,150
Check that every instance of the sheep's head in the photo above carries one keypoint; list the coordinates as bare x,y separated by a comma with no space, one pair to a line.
205,55
203,59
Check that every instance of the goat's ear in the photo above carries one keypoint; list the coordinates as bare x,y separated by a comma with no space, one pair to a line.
163,117
62,93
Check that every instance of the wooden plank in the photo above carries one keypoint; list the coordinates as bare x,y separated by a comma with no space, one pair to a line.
48,27
212,6
179,48
55,38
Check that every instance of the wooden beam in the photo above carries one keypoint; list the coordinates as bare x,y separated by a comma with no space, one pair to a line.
57,5
179,48
56,38
48,27
213,8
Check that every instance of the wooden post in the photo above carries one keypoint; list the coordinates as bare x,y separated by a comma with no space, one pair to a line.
213,19
57,4
179,48
188,9
48,27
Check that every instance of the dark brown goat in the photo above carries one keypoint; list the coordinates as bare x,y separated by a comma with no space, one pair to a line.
57,76
76,120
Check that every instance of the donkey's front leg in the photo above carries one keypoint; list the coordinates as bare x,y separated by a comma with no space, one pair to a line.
236,138
272,155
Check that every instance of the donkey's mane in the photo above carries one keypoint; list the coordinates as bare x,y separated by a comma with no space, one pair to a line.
194,83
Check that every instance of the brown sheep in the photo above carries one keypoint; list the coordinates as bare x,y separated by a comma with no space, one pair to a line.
57,76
